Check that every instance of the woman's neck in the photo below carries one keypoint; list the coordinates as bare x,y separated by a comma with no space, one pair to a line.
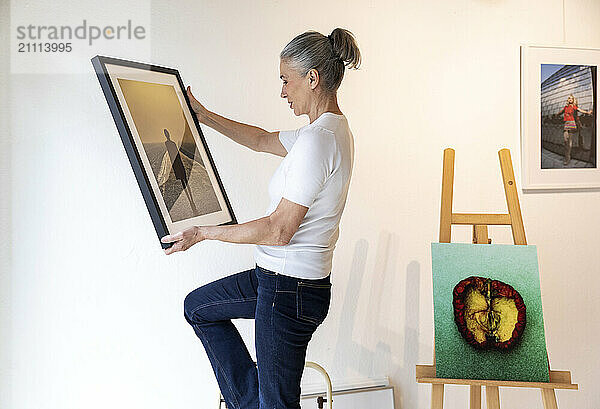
326,103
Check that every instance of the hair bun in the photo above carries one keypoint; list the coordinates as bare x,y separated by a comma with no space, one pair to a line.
344,47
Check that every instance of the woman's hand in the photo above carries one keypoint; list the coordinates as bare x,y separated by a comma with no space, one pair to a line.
183,240
197,107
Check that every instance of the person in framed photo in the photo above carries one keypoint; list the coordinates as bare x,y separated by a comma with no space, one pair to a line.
570,129
288,292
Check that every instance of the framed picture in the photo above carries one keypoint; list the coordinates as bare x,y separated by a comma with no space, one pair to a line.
488,316
165,145
559,121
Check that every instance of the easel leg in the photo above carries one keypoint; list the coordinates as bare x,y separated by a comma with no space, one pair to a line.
437,396
549,399
492,397
475,399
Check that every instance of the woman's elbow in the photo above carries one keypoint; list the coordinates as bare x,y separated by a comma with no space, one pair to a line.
282,239
281,236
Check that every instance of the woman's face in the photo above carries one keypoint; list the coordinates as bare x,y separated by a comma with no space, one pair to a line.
570,100
295,89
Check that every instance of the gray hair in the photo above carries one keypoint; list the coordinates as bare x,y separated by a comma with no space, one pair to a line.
329,55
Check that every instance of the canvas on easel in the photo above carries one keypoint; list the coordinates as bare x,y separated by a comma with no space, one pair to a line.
488,312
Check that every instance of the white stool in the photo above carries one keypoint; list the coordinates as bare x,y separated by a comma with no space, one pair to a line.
320,399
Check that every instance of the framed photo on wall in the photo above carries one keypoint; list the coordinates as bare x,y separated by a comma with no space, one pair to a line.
165,145
559,120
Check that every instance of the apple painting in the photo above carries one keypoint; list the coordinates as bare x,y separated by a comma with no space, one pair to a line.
488,317
489,314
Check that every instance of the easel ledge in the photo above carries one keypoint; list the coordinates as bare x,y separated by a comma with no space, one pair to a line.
558,380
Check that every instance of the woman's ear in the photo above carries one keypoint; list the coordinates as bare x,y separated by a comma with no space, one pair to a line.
313,78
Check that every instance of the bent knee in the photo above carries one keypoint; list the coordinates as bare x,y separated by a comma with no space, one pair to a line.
190,306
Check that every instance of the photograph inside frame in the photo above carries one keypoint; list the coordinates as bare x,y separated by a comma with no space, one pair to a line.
179,170
568,126
171,149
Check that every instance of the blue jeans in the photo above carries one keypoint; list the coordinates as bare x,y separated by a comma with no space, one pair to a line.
287,311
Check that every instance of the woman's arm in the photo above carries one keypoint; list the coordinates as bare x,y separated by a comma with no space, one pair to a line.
561,111
250,136
276,229
585,112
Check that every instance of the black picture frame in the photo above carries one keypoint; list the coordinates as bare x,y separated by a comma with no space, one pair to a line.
161,221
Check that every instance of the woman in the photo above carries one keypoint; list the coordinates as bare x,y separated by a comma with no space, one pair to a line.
288,292
570,125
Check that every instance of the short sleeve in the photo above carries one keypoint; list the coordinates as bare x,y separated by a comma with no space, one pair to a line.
288,138
310,163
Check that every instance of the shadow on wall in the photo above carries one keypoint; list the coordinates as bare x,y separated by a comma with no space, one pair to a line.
373,354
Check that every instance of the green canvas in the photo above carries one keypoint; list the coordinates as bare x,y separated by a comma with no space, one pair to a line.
513,265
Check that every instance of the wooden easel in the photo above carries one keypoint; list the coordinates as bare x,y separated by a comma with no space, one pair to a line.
426,373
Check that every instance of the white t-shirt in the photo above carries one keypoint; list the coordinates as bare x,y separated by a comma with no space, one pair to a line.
315,173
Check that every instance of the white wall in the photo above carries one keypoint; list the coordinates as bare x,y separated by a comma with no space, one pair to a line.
95,306
5,222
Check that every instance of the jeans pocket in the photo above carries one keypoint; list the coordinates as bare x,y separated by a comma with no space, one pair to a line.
312,301
265,271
